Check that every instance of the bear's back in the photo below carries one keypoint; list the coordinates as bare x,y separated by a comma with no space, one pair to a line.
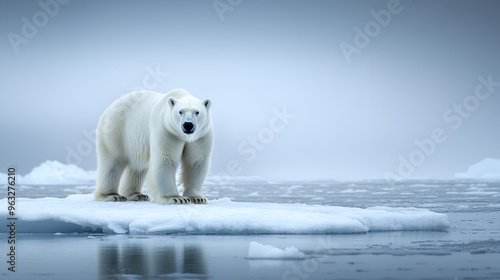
124,126
179,94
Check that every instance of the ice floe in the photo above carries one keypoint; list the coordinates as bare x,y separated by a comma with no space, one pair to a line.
79,213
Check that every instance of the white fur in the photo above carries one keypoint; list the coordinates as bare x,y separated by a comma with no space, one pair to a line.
141,135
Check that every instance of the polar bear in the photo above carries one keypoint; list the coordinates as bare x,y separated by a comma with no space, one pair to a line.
149,134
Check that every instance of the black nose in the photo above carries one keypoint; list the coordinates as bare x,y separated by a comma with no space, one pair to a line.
188,127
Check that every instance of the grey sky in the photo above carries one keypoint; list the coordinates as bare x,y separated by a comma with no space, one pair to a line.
351,120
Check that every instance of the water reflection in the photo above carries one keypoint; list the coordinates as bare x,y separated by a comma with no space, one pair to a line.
130,258
193,262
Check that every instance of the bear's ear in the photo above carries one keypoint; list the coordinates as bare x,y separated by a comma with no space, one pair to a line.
171,102
207,102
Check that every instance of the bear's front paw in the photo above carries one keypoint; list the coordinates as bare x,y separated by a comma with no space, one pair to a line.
115,197
199,199
138,197
175,200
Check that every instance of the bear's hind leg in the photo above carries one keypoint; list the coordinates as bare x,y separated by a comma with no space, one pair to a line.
108,178
131,184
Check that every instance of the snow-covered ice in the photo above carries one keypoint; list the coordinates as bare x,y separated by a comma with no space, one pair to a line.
79,213
261,251
54,173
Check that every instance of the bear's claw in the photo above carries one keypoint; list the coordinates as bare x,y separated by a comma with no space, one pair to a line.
176,200
115,197
138,197
199,200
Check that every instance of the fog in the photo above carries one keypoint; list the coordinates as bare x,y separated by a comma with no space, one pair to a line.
301,90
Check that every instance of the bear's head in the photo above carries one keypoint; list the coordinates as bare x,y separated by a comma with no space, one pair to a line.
189,117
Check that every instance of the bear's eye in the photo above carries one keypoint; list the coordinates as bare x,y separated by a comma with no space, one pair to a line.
197,113
180,113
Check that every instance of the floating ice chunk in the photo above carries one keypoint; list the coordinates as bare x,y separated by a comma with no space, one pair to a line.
260,251
486,169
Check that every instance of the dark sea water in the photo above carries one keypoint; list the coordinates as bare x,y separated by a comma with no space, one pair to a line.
470,249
